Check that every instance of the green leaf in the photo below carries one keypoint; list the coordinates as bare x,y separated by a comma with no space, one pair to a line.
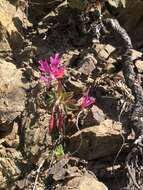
59,150
66,96
71,107
51,98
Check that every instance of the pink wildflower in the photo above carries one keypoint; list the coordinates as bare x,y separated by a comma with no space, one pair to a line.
45,79
57,72
87,101
53,70
55,60
44,66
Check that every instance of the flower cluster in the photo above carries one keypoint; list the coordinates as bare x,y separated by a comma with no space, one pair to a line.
52,70
86,101
59,100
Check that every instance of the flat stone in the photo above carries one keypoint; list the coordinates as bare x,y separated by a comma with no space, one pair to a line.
85,182
110,49
87,65
97,140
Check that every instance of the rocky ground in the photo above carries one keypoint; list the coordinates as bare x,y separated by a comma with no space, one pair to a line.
95,152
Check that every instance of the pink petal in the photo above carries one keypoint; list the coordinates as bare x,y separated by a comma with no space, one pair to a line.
58,73
87,101
55,60
44,66
45,79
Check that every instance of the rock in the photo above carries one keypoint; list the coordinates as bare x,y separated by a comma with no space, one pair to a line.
109,48
89,182
12,93
36,137
137,59
66,168
104,51
75,81
97,114
12,140
3,39
43,8
85,182
97,141
131,19
77,4
9,164
12,21
136,55
87,64
1,178
92,117
139,65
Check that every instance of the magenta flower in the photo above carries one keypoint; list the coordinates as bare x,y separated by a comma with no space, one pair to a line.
87,101
57,72
44,66
45,79
53,70
55,60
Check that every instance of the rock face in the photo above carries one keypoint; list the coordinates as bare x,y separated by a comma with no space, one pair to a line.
12,22
36,136
25,141
131,18
97,141
43,7
12,93
9,159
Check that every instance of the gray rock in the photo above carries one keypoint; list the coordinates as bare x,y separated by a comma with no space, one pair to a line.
12,22
131,19
94,117
86,182
12,93
97,141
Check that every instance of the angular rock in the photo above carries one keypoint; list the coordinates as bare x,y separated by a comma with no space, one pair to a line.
12,140
87,65
35,125
104,51
12,93
131,19
9,165
98,141
94,117
139,65
12,21
85,182
42,6
136,55
110,49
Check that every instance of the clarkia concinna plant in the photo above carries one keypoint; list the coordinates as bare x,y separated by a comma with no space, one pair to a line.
59,101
